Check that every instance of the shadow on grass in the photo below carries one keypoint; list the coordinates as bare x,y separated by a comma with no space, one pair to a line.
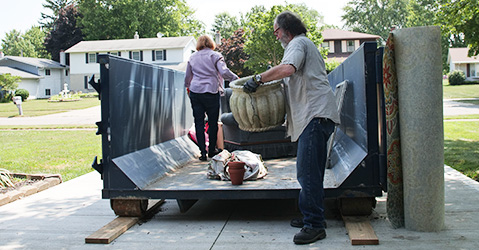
463,156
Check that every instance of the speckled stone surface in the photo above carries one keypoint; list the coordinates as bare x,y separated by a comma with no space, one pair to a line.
419,71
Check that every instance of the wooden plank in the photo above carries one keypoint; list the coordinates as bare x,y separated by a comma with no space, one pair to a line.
118,226
112,230
360,230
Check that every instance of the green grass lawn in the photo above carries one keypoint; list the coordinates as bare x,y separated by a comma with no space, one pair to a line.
461,91
44,107
461,147
66,152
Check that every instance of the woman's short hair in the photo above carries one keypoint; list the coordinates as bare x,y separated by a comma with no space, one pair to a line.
205,41
290,22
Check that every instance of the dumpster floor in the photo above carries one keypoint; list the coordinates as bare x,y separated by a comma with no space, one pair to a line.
63,216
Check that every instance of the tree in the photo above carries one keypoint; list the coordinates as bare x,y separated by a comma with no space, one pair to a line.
65,32
262,46
462,17
226,24
233,51
375,16
55,6
14,45
120,19
36,36
8,84
29,44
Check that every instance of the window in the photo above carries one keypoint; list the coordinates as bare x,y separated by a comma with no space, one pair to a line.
91,58
135,55
350,46
66,72
47,72
114,53
158,55
47,92
325,45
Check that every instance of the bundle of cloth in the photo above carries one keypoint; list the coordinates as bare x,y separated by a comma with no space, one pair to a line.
218,166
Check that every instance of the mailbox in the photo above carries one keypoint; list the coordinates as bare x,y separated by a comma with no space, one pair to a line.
17,100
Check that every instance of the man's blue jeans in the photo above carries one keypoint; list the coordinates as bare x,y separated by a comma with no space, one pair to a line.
310,166
210,104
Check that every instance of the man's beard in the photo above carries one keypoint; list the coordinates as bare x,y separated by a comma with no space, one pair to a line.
284,41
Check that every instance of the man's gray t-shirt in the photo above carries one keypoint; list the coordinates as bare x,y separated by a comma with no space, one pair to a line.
308,92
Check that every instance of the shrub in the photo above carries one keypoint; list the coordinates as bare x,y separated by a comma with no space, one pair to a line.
331,65
23,93
456,77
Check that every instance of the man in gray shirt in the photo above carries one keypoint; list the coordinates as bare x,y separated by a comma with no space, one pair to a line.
312,115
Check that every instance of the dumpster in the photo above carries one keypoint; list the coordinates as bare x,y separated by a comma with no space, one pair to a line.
147,154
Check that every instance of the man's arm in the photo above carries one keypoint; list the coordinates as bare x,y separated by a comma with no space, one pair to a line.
278,72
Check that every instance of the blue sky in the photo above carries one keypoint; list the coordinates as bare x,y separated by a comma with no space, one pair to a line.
23,14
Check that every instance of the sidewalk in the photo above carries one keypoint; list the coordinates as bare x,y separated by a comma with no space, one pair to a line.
76,117
453,107
63,216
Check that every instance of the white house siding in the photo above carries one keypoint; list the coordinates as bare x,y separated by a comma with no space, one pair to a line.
37,83
54,82
187,51
32,86
37,88
79,69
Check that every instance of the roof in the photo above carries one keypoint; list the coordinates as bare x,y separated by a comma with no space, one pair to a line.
37,62
459,55
17,72
335,34
131,44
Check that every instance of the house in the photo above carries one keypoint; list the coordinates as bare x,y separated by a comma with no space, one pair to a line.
41,77
171,52
458,60
342,43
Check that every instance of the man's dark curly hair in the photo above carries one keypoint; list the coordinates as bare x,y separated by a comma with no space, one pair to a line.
290,22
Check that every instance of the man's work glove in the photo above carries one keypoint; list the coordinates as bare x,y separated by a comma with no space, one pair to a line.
251,85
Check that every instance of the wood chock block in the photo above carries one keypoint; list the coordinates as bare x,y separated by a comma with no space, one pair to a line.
112,230
360,230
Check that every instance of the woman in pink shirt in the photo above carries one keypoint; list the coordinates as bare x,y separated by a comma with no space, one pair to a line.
205,72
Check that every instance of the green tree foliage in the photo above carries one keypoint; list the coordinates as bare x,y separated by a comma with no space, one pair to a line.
120,19
29,44
55,6
458,19
462,17
375,16
14,45
225,24
65,32
36,36
8,84
262,45
233,51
